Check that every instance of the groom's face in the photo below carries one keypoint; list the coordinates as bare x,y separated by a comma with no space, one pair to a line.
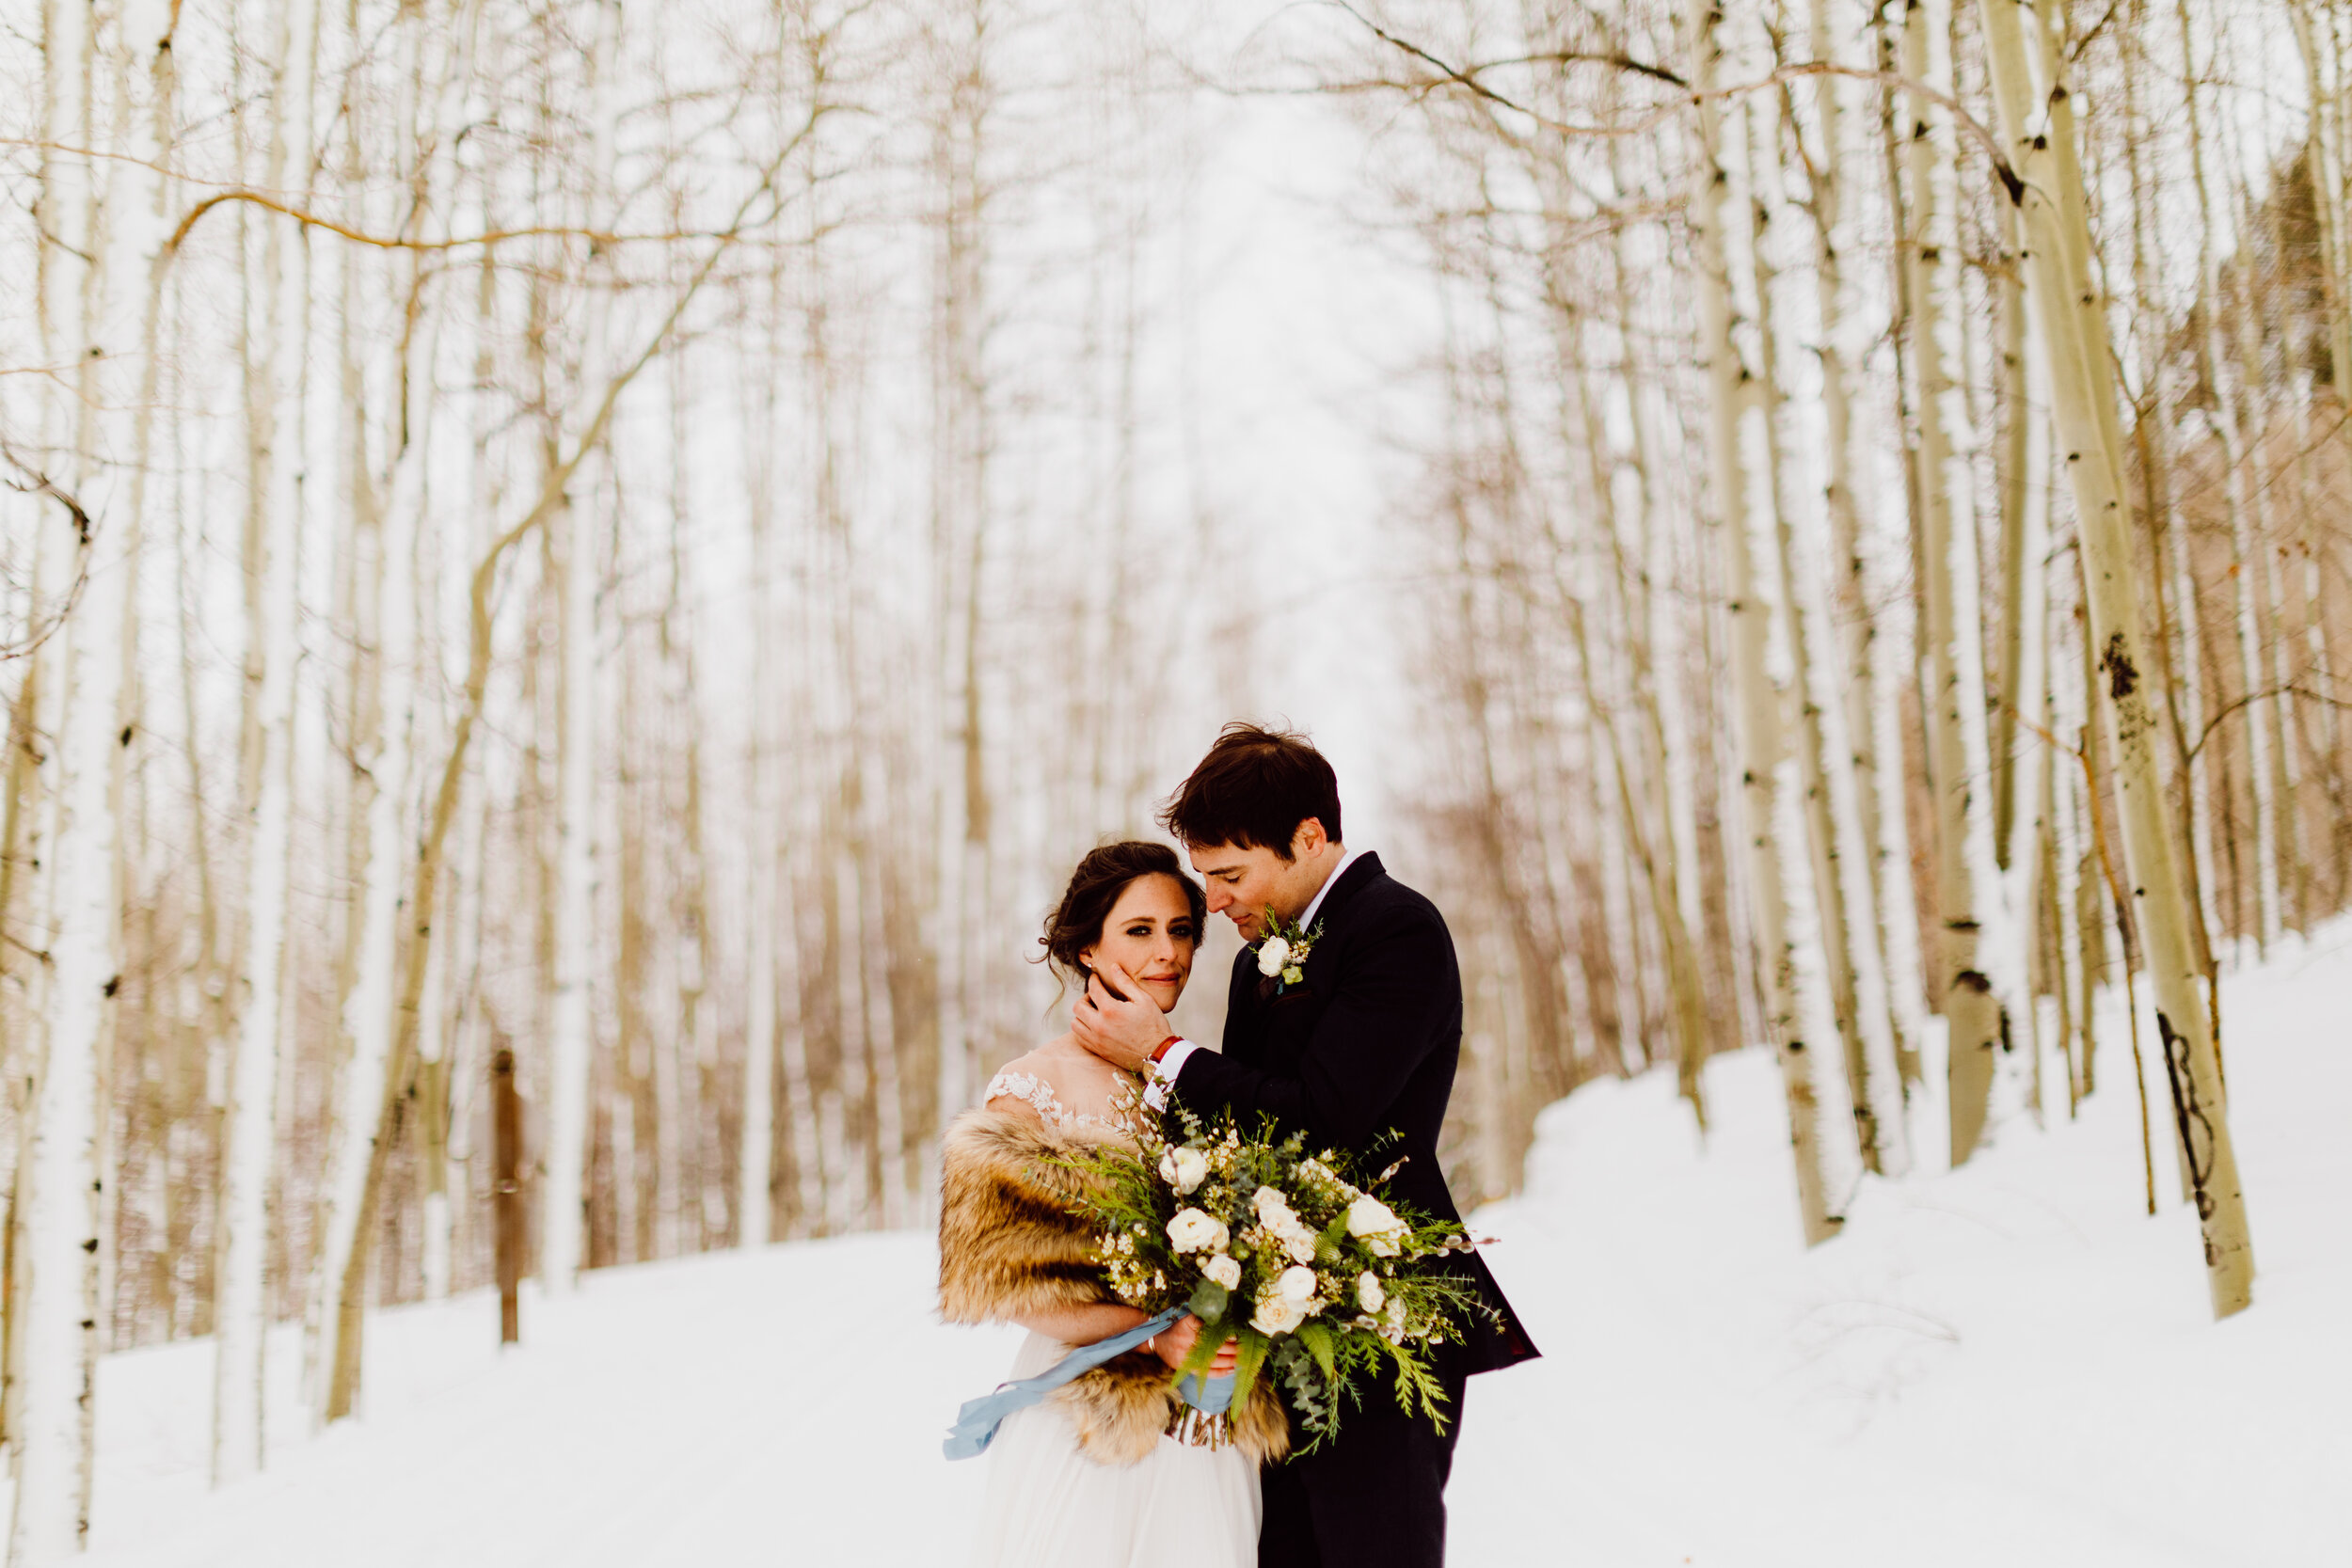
1244,880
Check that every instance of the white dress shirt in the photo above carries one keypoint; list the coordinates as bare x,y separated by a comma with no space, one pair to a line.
1164,1071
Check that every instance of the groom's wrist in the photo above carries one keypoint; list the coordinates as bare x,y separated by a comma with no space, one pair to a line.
1161,1068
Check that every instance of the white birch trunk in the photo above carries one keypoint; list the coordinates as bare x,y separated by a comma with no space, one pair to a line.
2230,425
571,1023
2060,292
1728,380
754,1168
2328,84
241,1308
1946,523
54,1294
1827,802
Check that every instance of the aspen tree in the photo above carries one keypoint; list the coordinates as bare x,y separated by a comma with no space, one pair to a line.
240,1306
383,1022
2238,486
2292,866
764,751
1854,766
1730,387
570,1024
2327,86
962,441
1686,1005
2179,638
1827,853
1945,530
2057,251
85,524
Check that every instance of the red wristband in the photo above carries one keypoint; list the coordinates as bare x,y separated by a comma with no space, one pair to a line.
1160,1051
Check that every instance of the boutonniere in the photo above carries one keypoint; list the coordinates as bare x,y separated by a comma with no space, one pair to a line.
1282,951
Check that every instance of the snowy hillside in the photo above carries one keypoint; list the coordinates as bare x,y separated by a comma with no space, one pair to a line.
2010,1364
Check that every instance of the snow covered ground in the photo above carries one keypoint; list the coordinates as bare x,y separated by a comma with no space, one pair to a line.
2006,1365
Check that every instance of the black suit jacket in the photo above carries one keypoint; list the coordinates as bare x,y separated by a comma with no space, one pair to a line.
1366,1043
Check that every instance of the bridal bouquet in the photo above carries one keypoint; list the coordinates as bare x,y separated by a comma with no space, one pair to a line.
1323,1284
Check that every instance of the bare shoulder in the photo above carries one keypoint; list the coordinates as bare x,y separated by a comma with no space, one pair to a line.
1024,1084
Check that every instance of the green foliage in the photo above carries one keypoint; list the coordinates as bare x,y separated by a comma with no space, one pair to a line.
1334,1290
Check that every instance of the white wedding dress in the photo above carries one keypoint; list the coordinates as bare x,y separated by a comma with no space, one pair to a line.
1045,1505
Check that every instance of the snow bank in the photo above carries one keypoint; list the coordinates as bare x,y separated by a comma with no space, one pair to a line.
2008,1363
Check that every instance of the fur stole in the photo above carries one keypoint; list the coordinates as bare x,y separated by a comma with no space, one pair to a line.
1011,1244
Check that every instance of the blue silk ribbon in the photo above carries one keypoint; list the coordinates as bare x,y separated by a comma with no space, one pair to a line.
977,1422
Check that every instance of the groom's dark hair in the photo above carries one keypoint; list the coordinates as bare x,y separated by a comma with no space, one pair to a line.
1253,789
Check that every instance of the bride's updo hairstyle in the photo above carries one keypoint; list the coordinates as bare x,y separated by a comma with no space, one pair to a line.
1076,924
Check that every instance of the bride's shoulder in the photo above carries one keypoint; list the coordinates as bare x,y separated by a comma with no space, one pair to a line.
1026,1083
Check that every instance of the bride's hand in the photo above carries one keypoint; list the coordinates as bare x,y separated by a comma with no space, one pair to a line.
1175,1342
1121,1029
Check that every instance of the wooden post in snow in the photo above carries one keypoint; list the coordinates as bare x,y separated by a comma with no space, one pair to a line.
506,1163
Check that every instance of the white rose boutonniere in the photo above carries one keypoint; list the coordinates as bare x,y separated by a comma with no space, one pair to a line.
1282,951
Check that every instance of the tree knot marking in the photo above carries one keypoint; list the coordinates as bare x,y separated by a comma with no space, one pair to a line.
2188,1115
2123,676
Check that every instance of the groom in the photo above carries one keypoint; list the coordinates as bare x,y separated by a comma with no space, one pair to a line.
1364,1044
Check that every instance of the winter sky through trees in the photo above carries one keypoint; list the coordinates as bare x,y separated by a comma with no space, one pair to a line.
650,538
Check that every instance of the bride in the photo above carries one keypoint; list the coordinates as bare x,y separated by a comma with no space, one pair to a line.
1089,1477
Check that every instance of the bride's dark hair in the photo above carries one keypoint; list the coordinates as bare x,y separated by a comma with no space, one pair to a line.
1076,924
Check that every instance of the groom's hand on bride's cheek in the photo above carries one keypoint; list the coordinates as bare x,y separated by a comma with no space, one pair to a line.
1122,1026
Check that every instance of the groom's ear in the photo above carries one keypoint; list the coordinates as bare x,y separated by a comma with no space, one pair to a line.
1308,838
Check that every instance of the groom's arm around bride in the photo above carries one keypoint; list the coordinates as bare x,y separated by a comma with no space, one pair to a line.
1362,1043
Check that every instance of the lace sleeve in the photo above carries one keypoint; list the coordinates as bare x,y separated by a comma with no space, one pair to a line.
1032,1090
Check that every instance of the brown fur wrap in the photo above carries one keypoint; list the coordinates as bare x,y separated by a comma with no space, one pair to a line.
1012,1242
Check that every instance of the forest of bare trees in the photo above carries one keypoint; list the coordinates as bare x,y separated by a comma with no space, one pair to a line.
649,538
571,528
1890,544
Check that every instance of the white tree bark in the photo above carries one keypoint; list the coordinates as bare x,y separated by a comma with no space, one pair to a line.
571,1024
1730,380
1958,746
241,1313
2063,297
80,684
2329,85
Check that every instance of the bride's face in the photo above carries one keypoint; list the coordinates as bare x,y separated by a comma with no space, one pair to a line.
1150,934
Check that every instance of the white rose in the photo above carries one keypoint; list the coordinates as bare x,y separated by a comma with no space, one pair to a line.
1277,1314
1226,1272
1386,1246
1193,1230
1273,956
1168,1167
1300,1245
1273,1209
1192,1169
1368,1293
1369,1218
1297,1284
